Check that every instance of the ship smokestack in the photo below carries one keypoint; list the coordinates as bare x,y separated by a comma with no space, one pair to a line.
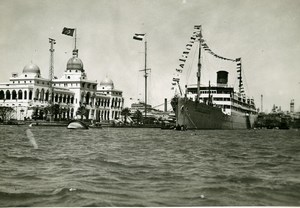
222,78
166,103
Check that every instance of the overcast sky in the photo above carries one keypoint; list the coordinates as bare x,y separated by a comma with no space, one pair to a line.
265,33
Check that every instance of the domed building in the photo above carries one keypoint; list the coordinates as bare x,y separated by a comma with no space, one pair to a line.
31,69
115,101
75,63
107,84
31,95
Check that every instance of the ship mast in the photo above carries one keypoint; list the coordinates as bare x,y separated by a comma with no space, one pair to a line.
146,76
199,67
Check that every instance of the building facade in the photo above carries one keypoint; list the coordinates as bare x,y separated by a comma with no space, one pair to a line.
29,94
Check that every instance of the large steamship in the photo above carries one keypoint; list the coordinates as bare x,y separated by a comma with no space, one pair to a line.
217,106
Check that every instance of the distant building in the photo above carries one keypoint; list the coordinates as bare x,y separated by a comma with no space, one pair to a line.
30,93
140,106
292,106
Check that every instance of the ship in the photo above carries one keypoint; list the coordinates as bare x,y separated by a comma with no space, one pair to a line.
211,106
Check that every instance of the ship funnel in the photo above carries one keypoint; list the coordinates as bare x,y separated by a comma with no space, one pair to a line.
222,78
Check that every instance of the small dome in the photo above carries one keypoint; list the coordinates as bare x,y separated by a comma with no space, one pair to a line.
75,63
31,68
107,82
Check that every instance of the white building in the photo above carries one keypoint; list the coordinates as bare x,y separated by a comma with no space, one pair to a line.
30,93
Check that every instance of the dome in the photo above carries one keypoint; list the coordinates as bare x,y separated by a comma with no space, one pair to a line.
31,68
75,63
107,82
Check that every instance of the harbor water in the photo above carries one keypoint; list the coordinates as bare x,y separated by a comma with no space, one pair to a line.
54,166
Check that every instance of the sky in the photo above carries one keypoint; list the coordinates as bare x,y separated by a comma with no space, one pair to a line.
265,33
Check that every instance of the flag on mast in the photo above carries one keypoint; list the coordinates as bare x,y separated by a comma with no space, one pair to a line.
68,31
138,36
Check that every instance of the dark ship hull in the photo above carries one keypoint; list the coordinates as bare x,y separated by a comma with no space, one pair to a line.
193,115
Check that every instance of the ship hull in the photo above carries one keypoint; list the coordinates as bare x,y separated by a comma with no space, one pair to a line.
194,115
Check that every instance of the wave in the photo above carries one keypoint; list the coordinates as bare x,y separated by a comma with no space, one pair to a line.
24,158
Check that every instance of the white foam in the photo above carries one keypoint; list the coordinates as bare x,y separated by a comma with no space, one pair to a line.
31,139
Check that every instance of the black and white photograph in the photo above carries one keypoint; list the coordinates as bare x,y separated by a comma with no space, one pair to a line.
149,103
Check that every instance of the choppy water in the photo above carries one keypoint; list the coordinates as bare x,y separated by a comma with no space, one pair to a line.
148,167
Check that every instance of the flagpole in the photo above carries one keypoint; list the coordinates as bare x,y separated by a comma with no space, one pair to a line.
145,77
75,37
199,68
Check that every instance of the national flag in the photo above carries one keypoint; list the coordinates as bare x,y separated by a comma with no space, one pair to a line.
138,36
68,31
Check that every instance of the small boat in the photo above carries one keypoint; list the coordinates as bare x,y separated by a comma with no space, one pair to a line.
77,125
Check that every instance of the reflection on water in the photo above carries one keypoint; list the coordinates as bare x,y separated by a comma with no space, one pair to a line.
148,167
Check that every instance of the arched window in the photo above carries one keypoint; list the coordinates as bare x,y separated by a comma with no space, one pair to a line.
20,95
7,95
1,95
112,102
47,95
37,93
14,94
25,94
30,94
56,98
87,98
72,112
42,94
64,99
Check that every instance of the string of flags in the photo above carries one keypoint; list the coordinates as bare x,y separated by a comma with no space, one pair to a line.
206,48
197,36
239,71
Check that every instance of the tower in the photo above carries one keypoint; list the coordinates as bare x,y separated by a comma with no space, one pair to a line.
51,68
51,74
292,106
262,103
